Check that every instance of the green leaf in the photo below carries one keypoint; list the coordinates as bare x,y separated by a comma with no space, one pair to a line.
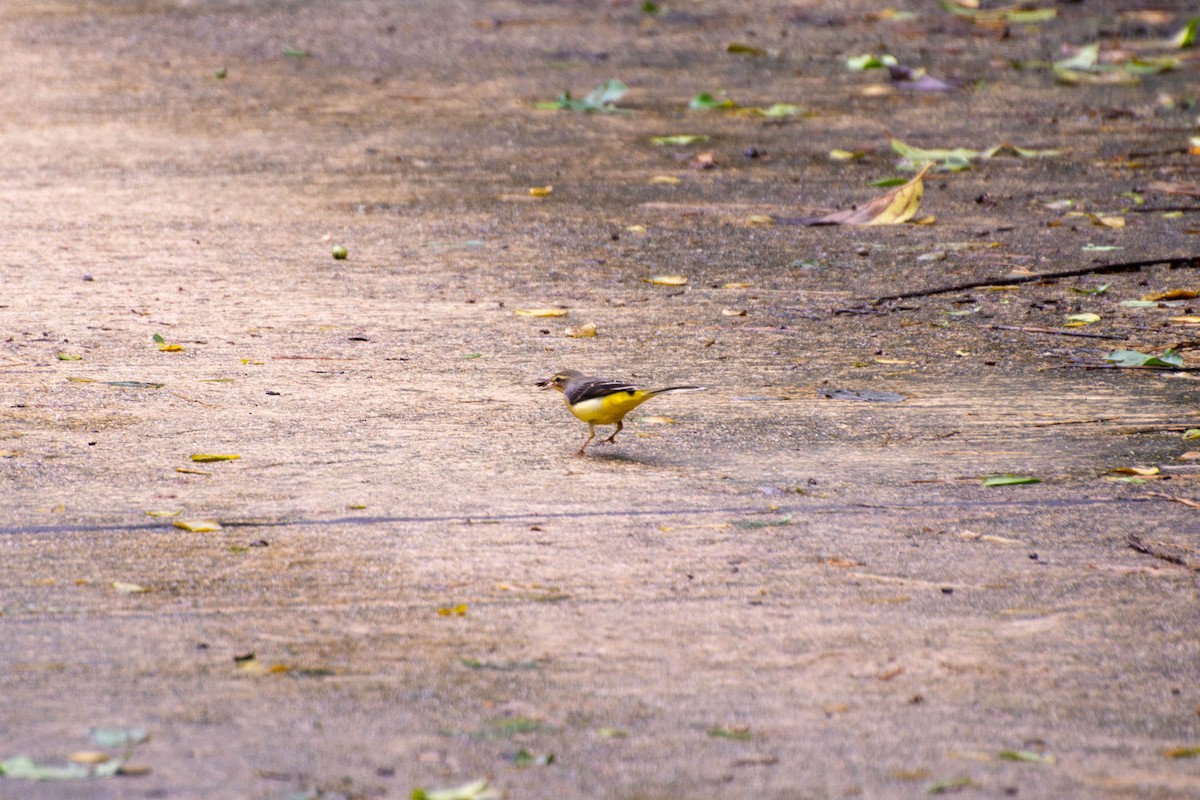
1186,36
1009,479
158,339
524,758
1028,16
706,102
950,785
777,110
119,737
871,61
295,52
1150,66
1086,60
1192,433
745,49
649,7
1095,290
1028,756
888,182
62,356
599,100
679,140
1133,358
738,734
25,768
475,790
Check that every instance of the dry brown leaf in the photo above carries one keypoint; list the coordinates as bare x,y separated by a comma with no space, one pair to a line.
891,208
1172,294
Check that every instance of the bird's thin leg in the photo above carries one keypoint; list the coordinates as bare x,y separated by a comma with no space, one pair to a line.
591,435
620,424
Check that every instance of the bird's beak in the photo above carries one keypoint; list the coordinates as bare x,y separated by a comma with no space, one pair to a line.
545,383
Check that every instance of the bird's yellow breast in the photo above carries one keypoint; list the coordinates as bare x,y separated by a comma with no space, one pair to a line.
608,410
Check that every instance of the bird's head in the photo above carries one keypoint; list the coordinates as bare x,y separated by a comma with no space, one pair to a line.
560,379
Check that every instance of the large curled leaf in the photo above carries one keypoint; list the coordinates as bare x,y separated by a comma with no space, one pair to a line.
892,208
1133,358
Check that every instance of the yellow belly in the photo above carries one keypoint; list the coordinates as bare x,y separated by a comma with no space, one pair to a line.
608,410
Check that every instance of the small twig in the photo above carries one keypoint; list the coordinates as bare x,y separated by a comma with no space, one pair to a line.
1026,329
1151,210
1073,422
1186,501
1120,366
1158,551
1098,269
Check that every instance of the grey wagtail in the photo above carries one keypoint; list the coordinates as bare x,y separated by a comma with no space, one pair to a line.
602,401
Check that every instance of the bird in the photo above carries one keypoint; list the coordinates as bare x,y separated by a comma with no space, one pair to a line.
602,401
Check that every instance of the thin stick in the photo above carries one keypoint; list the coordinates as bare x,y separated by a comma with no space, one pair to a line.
1099,269
1025,329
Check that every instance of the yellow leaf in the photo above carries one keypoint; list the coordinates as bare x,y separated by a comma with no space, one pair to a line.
760,219
670,180
198,525
891,208
1079,320
459,610
736,285
170,348
733,312
540,191
204,458
899,361
540,312
1172,294
1186,320
129,588
164,513
252,362
583,332
89,757
1107,222
635,229
667,280
846,155
1141,471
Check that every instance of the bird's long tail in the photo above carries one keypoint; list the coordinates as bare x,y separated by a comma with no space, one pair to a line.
670,389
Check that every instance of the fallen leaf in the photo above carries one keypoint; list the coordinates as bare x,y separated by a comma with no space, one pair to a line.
871,61
656,420
679,139
1028,756
540,191
89,757
459,610
892,208
1008,480
1172,294
119,737
670,180
760,219
540,312
1142,471
587,331
600,100
197,525
1182,752
739,733
129,588
476,790
733,312
667,280
1133,358
62,356
741,48
1107,222
1080,320
164,513
204,458
737,285
846,155
613,733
